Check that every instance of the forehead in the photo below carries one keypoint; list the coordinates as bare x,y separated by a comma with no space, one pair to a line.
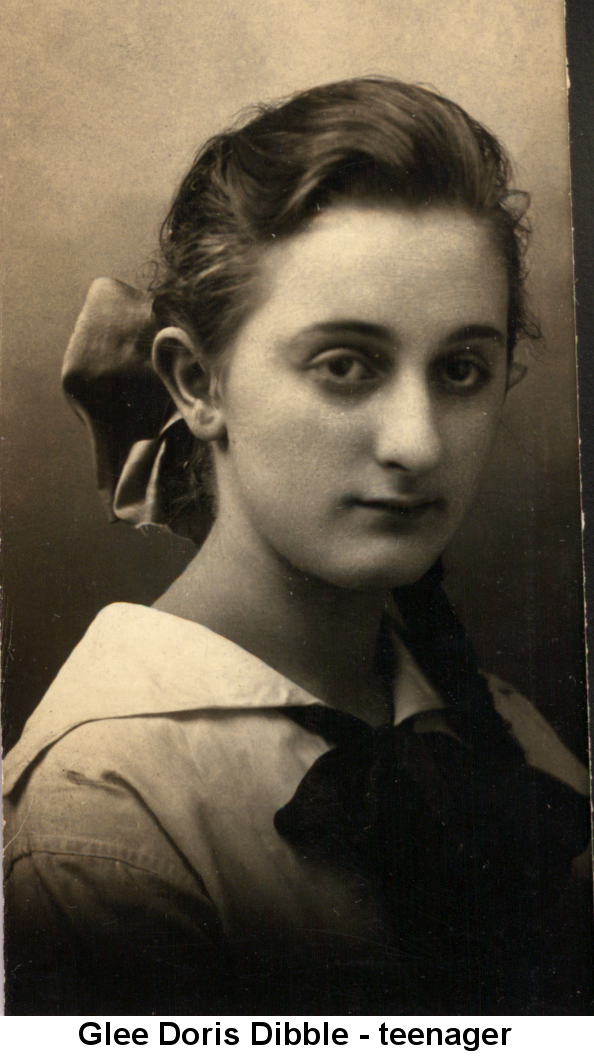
387,265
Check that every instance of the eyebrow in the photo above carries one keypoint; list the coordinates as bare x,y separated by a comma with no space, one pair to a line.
384,334
467,334
358,327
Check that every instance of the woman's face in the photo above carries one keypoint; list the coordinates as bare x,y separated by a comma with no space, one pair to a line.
362,395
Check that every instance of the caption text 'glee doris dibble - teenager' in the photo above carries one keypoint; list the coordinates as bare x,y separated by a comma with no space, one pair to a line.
263,1033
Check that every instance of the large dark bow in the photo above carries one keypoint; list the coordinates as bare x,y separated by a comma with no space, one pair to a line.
460,853
144,453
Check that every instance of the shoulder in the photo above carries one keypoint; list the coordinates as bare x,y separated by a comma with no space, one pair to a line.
82,798
136,732
133,661
140,662
107,674
541,745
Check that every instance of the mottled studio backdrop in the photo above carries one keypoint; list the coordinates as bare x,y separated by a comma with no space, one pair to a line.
106,103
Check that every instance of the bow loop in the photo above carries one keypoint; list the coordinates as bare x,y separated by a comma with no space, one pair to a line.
142,449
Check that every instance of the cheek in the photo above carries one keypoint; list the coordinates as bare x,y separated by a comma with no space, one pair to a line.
469,443
273,450
286,423
289,463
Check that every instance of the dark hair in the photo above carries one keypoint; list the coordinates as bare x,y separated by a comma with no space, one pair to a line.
367,139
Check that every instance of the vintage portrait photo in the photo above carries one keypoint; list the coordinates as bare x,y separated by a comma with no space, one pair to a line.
294,687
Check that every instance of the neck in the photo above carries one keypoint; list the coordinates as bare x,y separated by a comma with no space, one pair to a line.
322,637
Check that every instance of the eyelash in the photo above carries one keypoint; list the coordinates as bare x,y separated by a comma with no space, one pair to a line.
334,358
371,368
482,373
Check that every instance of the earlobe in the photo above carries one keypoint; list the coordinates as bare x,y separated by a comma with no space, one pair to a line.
187,374
515,374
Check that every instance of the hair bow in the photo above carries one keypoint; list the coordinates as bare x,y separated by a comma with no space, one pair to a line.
142,449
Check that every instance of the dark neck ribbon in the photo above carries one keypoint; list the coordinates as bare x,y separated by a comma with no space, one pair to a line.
464,848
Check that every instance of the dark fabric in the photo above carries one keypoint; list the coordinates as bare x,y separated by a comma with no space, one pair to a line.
467,858
142,449
468,848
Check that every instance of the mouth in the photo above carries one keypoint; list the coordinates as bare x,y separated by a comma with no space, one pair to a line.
410,508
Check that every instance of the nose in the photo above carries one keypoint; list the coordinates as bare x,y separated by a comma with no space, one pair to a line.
407,433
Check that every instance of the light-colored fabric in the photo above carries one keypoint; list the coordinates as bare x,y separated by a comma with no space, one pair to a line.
163,731
542,747
160,747
135,661
144,788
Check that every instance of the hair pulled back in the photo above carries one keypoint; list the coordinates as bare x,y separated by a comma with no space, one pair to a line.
367,139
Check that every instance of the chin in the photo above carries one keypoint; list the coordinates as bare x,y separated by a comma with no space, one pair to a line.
374,577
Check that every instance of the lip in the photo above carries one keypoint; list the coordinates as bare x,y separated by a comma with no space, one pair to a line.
403,506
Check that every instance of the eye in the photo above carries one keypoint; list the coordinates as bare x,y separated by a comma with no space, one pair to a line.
343,368
464,371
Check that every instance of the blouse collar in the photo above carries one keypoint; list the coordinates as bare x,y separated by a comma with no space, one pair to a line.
136,661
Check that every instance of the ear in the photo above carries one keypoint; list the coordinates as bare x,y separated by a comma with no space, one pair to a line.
187,374
515,374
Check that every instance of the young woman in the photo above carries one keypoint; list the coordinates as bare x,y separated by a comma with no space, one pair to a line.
287,787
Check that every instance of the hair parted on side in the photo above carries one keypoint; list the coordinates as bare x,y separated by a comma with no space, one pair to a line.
367,139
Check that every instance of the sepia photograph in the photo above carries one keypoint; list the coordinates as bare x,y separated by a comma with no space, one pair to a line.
294,711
